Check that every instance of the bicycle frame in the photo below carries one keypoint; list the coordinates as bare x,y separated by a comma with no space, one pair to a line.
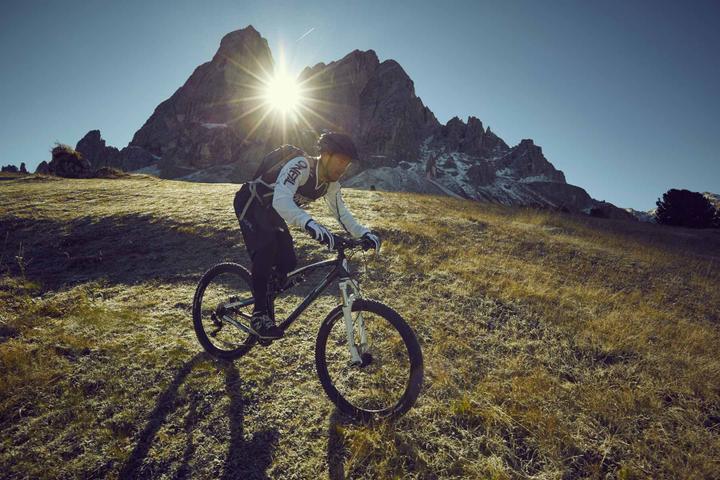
349,290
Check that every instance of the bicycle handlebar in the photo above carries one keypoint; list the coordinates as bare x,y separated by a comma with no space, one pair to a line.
342,242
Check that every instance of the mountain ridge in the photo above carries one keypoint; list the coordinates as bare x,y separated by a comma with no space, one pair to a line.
214,128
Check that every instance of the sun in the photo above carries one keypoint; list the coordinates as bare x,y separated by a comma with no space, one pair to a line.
283,93
280,101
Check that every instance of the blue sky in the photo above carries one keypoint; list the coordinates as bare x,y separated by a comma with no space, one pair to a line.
622,95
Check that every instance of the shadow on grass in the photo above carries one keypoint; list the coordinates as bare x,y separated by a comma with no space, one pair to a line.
244,458
122,249
166,403
406,459
336,449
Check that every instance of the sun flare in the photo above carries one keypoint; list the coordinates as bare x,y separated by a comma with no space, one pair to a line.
283,93
278,101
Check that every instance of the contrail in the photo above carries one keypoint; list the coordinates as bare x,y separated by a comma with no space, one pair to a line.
305,34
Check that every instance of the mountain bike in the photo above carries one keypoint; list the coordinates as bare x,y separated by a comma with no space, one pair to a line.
368,359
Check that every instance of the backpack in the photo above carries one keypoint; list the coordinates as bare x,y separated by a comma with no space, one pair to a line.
280,154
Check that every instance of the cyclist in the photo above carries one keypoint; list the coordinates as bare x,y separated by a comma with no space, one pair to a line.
266,205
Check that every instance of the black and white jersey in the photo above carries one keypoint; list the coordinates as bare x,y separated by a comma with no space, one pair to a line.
297,183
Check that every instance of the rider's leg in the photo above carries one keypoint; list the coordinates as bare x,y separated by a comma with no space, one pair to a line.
285,258
261,244
262,322
262,261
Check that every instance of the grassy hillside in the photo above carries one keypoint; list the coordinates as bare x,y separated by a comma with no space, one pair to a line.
555,346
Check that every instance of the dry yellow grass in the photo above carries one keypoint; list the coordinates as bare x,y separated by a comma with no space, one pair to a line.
556,346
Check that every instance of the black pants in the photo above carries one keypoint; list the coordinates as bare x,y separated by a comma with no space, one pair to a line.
268,242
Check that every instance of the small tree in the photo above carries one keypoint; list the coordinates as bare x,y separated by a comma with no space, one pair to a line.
686,209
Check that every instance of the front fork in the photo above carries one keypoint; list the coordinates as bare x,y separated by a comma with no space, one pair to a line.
350,291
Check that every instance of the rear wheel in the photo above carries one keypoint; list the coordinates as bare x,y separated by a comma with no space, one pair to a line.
223,300
388,378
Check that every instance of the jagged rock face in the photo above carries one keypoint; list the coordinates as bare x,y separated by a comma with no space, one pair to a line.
372,101
527,160
93,149
393,121
492,143
209,120
453,134
133,158
482,173
9,169
474,137
333,91
23,168
204,123
470,138
43,167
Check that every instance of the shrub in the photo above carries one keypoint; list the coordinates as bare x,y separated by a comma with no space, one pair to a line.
686,209
69,163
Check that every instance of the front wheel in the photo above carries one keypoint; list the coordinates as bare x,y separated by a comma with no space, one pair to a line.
387,379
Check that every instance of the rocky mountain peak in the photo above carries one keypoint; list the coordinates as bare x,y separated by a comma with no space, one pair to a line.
93,149
527,161
215,128
212,119
357,64
471,138
474,124
241,43
396,77
232,39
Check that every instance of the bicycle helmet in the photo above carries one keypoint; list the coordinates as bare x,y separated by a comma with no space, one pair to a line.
333,142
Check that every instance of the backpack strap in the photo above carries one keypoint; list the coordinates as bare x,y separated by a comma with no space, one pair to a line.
253,194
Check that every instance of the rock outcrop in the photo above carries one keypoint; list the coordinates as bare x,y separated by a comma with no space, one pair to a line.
66,162
527,161
14,169
94,150
470,138
43,168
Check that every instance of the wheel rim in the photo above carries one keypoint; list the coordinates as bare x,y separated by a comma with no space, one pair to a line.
379,383
218,306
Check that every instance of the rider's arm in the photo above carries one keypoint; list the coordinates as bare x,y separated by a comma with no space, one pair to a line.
293,174
334,201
